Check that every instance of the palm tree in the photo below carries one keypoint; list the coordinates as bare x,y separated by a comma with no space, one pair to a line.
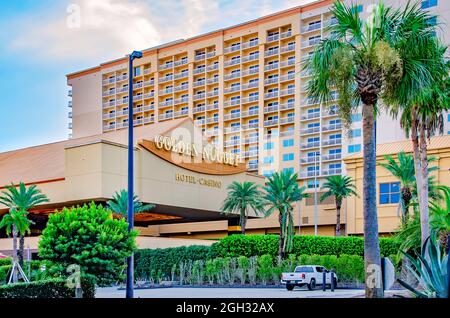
119,204
363,61
243,197
281,191
22,199
17,223
339,187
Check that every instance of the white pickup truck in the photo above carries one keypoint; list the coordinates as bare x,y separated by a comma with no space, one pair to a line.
310,275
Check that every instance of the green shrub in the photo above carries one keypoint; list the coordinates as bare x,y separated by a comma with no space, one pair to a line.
250,245
5,261
164,260
53,288
265,268
4,270
88,236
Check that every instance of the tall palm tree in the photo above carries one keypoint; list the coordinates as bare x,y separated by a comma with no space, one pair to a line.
281,192
119,204
339,187
364,61
22,199
17,223
242,198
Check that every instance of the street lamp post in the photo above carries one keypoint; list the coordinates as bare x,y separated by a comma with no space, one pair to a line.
315,195
130,260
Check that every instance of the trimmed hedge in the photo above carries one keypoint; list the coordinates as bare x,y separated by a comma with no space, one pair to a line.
52,288
159,262
251,245
4,270
5,261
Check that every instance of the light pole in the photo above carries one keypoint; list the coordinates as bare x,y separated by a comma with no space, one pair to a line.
315,195
130,260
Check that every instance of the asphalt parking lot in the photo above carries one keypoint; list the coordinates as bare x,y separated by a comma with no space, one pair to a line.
114,292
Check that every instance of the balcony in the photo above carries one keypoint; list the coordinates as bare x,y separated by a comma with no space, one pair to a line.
199,83
109,127
232,75
305,59
211,120
232,116
122,125
271,52
109,92
232,62
254,84
149,83
331,172
165,116
315,144
310,43
210,54
138,121
271,122
109,104
271,109
148,108
165,91
69,115
287,120
252,166
166,103
232,48
121,78
332,142
310,101
287,133
288,105
121,113
138,97
251,153
166,79
249,113
180,88
311,130
272,80
272,66
212,106
250,126
310,116
329,157
200,122
198,109
233,102
200,56
286,34
250,44
232,142
330,112
69,93
250,140
250,57
231,89
165,66
212,80
213,93
181,75
287,63
332,127
199,70
273,37
232,129
109,81
149,119
181,100
149,95
138,85
311,27
310,159
306,73
211,132
180,113
271,95
213,67
147,71
109,115
122,90
288,48
250,71
309,174
287,77
250,99
138,109
331,21
122,101
289,91
199,96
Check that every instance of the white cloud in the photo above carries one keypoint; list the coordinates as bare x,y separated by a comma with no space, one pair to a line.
112,28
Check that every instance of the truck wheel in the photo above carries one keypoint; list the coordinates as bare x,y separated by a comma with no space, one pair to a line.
312,284
289,287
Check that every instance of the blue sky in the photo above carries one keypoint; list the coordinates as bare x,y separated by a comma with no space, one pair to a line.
37,49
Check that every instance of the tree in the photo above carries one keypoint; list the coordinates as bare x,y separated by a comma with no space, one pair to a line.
23,199
339,187
16,223
91,238
119,204
364,61
242,198
281,191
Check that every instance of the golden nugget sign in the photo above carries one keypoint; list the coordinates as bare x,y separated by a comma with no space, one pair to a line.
206,153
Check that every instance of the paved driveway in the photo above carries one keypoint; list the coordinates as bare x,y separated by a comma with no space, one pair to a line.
113,292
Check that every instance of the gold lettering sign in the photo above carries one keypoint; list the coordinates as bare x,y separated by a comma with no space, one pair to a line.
208,153
201,181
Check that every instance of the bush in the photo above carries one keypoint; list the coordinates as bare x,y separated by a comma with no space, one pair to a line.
5,261
251,245
88,236
4,270
53,288
150,261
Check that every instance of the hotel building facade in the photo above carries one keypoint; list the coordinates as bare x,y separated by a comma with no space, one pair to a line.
243,89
